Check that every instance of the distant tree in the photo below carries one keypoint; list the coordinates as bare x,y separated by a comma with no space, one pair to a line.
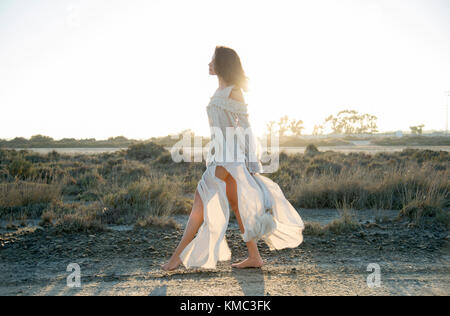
88,141
366,124
318,130
41,139
118,139
332,122
417,130
296,127
18,141
350,122
283,125
67,141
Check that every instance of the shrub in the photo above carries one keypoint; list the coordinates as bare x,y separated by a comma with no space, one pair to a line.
27,197
343,224
20,168
322,166
158,196
313,229
47,174
36,158
74,223
4,174
54,155
126,172
47,218
148,150
165,158
311,149
423,212
73,217
89,180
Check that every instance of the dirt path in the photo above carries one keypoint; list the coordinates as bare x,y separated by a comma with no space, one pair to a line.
33,261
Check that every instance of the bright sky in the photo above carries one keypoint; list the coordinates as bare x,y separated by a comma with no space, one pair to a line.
104,68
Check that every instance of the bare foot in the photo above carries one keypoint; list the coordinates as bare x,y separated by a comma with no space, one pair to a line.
249,263
172,264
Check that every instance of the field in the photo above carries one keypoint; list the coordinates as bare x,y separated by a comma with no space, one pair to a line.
120,214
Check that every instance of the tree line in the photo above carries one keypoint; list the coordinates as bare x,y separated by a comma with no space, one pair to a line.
348,122
41,141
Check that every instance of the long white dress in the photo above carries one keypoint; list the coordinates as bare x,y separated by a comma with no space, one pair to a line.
265,212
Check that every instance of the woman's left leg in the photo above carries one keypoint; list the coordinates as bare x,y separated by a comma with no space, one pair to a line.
254,259
192,226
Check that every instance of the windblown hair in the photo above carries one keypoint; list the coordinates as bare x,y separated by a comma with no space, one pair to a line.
227,65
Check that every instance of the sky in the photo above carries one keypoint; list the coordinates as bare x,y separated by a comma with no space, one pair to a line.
139,69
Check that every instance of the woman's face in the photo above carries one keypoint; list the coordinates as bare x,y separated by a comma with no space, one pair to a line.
211,66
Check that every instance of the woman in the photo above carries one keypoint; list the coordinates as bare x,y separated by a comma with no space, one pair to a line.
259,205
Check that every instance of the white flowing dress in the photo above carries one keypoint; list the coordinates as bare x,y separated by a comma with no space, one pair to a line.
265,212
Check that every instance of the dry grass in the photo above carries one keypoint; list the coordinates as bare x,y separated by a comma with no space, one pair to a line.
153,196
73,217
129,186
314,229
426,207
74,223
344,224
20,198
381,187
25,193
346,221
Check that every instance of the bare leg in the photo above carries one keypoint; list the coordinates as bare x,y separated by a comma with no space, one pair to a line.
193,224
254,259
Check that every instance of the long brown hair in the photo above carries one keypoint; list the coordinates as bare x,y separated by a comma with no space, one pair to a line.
227,65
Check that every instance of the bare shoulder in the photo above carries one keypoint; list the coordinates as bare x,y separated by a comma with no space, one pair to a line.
236,94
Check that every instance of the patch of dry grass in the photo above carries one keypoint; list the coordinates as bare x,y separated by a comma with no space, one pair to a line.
73,217
21,198
75,223
344,224
428,207
368,183
314,229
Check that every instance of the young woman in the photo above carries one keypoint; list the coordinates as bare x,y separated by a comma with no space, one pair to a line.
260,207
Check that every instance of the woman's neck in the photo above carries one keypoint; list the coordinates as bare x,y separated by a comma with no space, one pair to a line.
222,83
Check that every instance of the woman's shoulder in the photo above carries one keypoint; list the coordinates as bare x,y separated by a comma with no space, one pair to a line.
236,94
228,104
229,99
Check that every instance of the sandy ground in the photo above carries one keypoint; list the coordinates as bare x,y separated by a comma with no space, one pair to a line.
33,261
